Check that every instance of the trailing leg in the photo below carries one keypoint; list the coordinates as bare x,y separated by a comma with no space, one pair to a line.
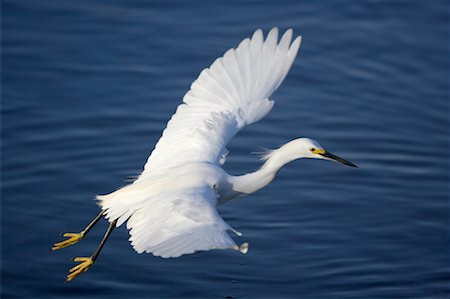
87,262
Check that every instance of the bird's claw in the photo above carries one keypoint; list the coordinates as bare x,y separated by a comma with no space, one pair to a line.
83,266
72,239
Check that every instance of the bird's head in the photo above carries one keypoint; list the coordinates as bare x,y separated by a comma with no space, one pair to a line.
308,148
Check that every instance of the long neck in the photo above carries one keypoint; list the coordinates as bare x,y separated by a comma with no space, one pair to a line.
252,182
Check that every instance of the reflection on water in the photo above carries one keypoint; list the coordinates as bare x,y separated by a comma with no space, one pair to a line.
88,88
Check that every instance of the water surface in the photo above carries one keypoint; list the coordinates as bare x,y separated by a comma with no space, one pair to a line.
89,85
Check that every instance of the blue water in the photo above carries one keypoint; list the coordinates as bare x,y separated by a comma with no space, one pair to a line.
87,88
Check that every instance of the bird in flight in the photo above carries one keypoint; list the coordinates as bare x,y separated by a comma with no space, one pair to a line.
171,208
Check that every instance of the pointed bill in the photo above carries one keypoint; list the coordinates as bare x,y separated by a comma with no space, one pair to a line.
333,157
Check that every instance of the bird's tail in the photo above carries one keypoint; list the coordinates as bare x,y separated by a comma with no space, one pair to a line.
124,202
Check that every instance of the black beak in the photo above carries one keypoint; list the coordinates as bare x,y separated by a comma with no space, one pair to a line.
337,159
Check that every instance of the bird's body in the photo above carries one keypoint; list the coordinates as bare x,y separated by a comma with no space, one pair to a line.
170,209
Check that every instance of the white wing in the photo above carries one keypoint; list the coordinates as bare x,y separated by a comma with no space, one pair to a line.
181,222
232,93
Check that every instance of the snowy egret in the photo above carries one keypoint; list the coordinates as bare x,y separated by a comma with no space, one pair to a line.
170,209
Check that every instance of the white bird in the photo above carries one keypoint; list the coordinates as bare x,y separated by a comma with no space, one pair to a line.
170,209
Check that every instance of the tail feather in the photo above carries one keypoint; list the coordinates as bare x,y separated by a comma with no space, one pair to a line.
121,204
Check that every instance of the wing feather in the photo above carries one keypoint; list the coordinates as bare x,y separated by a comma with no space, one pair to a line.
232,93
182,222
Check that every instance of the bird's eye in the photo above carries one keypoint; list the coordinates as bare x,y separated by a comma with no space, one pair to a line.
312,149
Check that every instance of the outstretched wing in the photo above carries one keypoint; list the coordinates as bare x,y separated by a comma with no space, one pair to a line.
181,222
232,93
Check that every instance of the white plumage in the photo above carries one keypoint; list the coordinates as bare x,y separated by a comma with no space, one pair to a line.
171,207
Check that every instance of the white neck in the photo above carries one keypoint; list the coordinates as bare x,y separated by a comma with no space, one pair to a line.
252,182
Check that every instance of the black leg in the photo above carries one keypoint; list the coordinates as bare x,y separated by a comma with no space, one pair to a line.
111,227
93,223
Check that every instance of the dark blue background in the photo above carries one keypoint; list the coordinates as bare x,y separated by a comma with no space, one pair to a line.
87,88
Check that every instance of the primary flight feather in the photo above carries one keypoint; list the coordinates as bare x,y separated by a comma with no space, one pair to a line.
170,209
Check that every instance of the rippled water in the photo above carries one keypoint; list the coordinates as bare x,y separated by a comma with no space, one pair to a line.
89,85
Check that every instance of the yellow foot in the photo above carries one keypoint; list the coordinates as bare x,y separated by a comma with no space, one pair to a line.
72,239
86,263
